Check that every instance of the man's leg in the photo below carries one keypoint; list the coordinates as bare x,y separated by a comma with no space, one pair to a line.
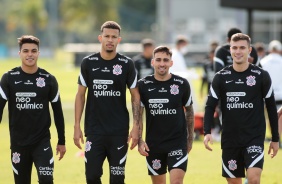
44,162
117,153
95,155
177,165
22,165
234,180
254,175
157,167
233,168
176,176
254,159
159,179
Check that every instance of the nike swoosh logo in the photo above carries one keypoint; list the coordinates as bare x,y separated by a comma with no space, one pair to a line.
178,158
254,156
45,149
151,89
120,147
228,81
94,69
17,82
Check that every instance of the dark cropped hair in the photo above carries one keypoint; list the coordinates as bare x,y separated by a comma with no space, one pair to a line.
233,31
162,49
241,36
147,42
111,25
28,39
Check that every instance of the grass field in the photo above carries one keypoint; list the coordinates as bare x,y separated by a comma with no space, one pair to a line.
204,167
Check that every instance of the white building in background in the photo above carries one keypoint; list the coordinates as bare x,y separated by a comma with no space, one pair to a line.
203,21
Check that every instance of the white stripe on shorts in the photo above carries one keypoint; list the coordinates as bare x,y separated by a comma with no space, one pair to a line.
52,160
227,171
123,159
181,161
15,170
257,160
151,169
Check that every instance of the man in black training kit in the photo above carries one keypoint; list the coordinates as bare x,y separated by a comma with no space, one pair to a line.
242,89
142,61
106,75
28,90
169,120
223,57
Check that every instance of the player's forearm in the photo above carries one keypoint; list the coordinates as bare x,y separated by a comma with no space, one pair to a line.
79,106
59,121
141,123
273,118
190,122
2,105
135,103
209,112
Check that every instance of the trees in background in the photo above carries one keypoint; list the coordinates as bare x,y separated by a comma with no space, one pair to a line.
59,21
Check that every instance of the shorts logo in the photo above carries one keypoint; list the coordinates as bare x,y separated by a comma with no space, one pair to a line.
232,165
174,89
251,80
88,146
16,158
40,82
117,69
156,164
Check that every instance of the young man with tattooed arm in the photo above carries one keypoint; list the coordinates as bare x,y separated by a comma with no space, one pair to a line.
169,120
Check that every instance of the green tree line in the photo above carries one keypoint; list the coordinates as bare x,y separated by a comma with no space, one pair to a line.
58,21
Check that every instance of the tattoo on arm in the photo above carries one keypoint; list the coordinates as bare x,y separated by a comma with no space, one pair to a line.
136,109
141,123
189,116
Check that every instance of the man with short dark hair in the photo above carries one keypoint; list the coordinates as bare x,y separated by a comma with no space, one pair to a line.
106,74
242,90
223,57
168,102
142,61
28,90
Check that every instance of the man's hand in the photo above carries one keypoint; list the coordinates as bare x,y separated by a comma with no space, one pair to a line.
133,136
273,149
77,137
279,112
143,148
207,139
62,150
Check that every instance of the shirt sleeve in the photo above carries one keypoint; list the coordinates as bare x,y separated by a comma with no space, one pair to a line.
58,111
270,106
82,78
132,76
219,59
211,103
3,93
187,97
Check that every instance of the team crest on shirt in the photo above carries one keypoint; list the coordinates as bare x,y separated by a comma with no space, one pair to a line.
174,89
88,146
251,80
117,69
232,165
40,82
156,164
16,158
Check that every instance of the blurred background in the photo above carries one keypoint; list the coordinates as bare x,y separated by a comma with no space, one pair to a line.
60,22
68,31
